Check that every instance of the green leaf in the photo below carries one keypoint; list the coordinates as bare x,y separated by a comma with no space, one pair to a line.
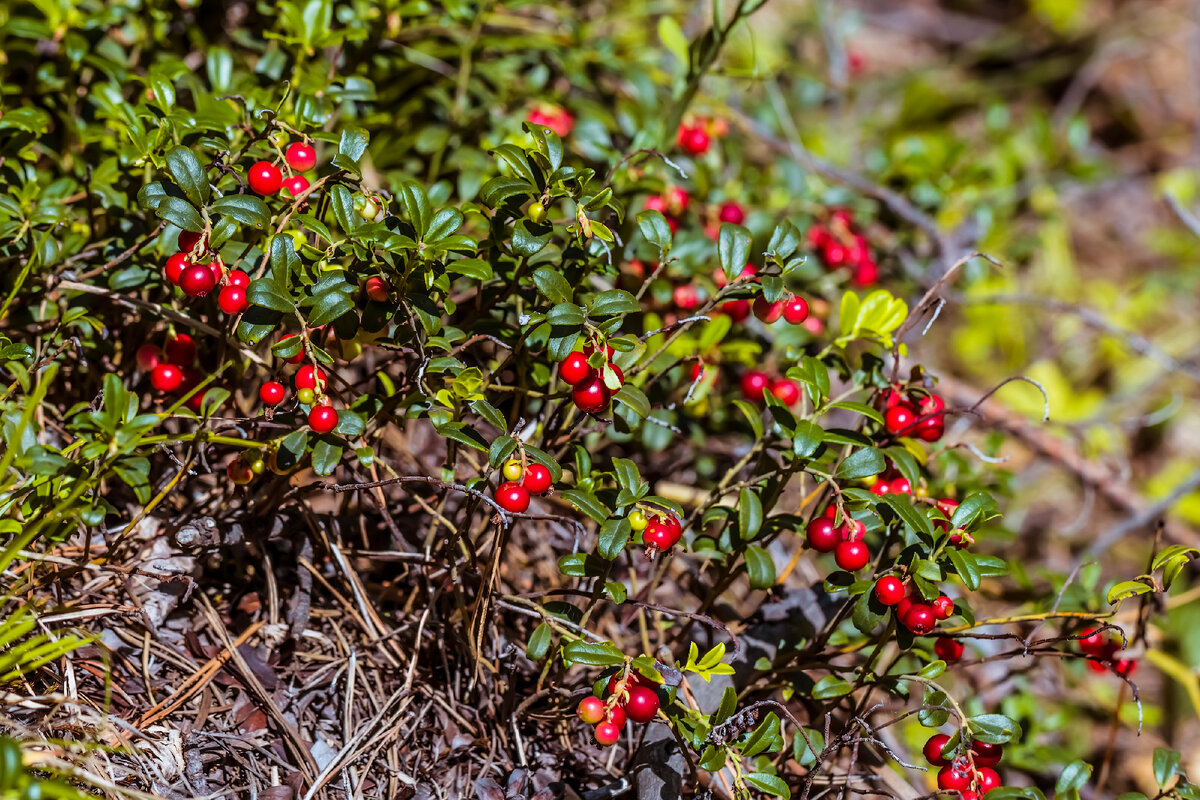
1073,777
750,514
527,242
1126,589
539,642
587,503
907,512
267,294
654,227
994,728
245,208
785,240
829,687
771,784
497,190
333,302
760,567
614,535
733,248
628,475
1166,764
180,213
616,591
807,438
861,408
633,397
326,456
613,301
671,35
555,287
804,744
964,565
862,464
935,714
752,416
868,612
353,144
976,504
443,224
188,174
592,654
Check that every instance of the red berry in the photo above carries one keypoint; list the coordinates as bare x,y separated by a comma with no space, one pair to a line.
271,393
322,419
166,377
795,311
919,619
785,391
238,278
817,236
987,755
933,749
232,300
197,280
731,212
239,472
574,368
642,705
948,650
173,269
866,274
218,271
737,310
148,356
678,199
930,430
607,733
822,535
902,607
835,254
1125,666
661,535
295,185
889,590
300,157
956,777
753,383
512,497
308,378
943,607
656,203
988,779
853,530
537,479
852,556
188,240
590,394
377,289
881,487
296,359
617,716
590,710
180,350
693,139
767,312
899,418
899,486
1093,641
686,297
264,178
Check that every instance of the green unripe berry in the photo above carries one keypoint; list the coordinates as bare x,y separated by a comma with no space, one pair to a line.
513,470
637,519
537,212
257,466
306,396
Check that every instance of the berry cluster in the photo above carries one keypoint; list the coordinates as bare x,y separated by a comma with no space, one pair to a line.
520,481
917,615
266,179
840,246
632,697
556,118
172,367
845,541
696,134
923,417
971,774
754,382
1103,645
592,385
660,531
673,204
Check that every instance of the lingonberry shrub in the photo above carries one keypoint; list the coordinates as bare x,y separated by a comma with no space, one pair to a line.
577,371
